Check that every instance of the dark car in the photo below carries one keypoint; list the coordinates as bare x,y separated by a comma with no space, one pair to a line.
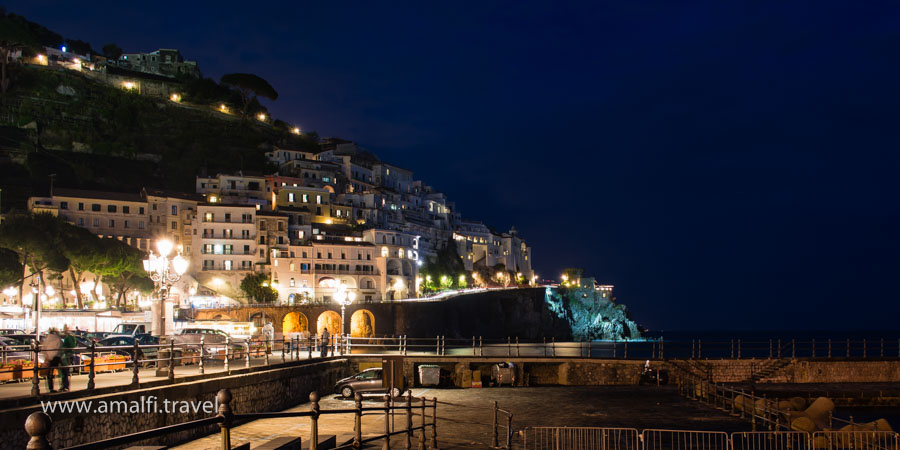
125,346
367,381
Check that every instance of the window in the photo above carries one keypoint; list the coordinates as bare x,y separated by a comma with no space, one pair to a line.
301,234
111,208
81,221
112,223
229,249
63,205
292,282
207,248
174,210
343,256
291,197
95,207
304,253
228,264
228,217
96,222
174,225
246,249
126,210
319,255
141,210
245,234
126,224
318,199
262,225
154,206
80,206
227,233
208,217
384,252
141,225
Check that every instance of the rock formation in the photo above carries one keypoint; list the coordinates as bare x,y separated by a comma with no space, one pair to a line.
591,316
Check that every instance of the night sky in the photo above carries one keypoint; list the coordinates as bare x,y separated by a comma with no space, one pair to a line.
724,165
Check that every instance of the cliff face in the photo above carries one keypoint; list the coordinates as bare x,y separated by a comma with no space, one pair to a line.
590,315
530,314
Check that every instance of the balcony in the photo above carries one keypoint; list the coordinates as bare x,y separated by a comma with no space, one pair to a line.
373,272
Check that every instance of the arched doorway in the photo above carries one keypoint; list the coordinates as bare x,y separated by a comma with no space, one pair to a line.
294,322
330,320
362,324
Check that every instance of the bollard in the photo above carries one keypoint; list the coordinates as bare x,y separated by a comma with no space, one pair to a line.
509,346
224,399
509,430
409,427
282,349
309,345
227,346
545,346
437,350
443,345
434,443
38,425
494,442
91,370
387,422
35,379
480,346
172,360
247,355
314,420
357,424
266,350
202,354
134,368
422,443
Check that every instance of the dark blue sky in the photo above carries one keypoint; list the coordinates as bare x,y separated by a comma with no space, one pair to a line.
724,165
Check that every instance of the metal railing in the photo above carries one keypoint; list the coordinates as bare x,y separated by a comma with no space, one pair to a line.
560,438
38,425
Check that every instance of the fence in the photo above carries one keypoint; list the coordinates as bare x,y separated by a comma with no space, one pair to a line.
38,425
559,438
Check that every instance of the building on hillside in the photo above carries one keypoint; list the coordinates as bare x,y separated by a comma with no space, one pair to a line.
379,265
165,61
281,156
478,246
224,246
171,214
244,188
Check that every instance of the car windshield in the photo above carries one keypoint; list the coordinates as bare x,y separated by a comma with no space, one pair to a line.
124,328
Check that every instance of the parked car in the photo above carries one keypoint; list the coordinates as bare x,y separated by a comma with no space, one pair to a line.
145,343
12,350
213,340
5,331
130,329
367,381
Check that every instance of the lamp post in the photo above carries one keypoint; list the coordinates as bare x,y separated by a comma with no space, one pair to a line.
164,272
344,298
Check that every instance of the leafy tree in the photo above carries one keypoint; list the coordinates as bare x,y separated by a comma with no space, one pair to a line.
256,286
86,254
14,36
123,268
37,241
112,51
11,268
250,87
444,271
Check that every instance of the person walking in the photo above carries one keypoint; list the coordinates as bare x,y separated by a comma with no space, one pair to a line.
325,338
67,358
50,345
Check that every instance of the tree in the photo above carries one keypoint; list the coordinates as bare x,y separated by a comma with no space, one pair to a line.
37,241
86,254
250,87
123,268
10,268
14,36
257,288
112,51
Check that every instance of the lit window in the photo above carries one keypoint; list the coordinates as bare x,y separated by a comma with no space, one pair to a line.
291,197
318,199
384,252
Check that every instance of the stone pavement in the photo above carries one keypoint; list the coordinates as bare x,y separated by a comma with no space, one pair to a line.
106,379
470,425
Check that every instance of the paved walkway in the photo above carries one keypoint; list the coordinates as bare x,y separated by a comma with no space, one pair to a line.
470,426
107,379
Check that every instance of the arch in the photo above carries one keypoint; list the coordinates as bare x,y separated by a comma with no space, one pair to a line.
294,322
362,324
257,319
327,282
329,188
330,320
367,283
394,267
407,268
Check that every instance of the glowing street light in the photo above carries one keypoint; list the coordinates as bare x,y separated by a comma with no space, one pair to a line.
164,272
261,117
296,130
344,298
175,98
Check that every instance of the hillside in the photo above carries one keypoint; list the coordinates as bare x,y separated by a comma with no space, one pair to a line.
93,136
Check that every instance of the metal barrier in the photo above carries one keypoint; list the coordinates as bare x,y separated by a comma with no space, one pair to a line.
680,439
560,438
770,440
876,440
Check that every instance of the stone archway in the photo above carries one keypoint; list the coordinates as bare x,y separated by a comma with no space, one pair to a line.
330,320
362,324
294,322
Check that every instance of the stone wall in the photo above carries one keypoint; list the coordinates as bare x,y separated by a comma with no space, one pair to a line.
790,370
261,391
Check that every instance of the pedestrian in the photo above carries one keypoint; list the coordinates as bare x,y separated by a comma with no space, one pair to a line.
50,346
325,345
67,358
268,333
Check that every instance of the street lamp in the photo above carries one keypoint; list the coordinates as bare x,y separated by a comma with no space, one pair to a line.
344,298
164,272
